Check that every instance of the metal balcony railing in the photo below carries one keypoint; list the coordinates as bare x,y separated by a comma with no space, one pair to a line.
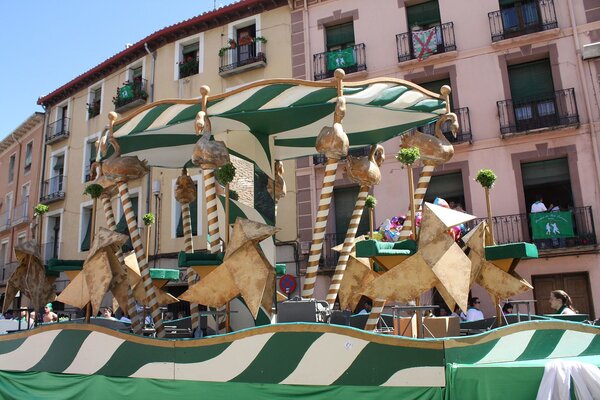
516,228
188,67
522,18
464,127
552,110
6,271
441,41
5,220
50,250
21,213
355,152
329,258
54,189
57,130
131,94
351,60
246,57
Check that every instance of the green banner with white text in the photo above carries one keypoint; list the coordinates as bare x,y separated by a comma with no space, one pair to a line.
340,59
551,225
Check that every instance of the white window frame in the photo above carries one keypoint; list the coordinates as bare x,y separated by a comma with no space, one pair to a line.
129,71
25,170
83,206
9,201
178,57
176,207
21,235
91,90
86,152
6,253
25,210
51,214
242,23
13,156
133,192
54,155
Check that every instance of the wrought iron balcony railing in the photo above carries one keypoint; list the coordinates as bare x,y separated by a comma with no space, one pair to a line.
355,152
552,110
21,213
242,58
188,67
329,258
57,130
7,270
5,220
516,228
131,94
54,189
352,59
522,18
418,45
464,127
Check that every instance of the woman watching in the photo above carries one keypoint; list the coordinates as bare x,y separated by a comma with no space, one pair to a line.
561,302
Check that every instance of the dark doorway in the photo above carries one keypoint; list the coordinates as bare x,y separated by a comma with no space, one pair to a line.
549,179
577,285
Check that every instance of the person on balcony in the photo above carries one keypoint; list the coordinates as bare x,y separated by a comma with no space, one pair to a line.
538,207
561,302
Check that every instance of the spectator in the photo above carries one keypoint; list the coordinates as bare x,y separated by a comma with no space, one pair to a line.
539,205
367,307
107,313
561,302
507,308
473,312
49,315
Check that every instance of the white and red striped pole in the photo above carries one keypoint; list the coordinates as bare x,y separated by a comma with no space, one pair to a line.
138,247
340,268
316,245
136,325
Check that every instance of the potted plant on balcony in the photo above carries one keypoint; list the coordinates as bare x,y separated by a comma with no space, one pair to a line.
188,67
232,43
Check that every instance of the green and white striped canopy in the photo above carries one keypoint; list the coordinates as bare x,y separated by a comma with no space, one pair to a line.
277,119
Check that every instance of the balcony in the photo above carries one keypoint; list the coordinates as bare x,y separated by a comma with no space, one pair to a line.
329,258
351,59
355,152
21,213
130,95
516,228
57,130
6,271
188,67
240,58
53,189
441,41
50,250
522,19
5,220
550,111
464,127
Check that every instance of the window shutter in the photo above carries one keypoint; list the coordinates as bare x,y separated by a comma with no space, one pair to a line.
85,244
190,48
530,80
545,172
340,35
423,14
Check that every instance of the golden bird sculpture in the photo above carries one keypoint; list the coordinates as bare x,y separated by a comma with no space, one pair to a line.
365,170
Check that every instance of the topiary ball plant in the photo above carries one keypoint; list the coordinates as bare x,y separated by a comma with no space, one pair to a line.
94,190
486,178
370,202
225,174
148,219
408,156
40,209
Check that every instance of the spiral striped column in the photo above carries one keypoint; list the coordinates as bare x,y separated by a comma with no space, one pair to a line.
192,277
138,246
316,246
374,315
136,324
210,193
420,190
340,268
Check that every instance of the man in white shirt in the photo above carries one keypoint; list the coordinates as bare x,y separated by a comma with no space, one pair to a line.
474,313
539,205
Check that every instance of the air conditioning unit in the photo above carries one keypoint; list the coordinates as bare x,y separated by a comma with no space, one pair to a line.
590,51
304,247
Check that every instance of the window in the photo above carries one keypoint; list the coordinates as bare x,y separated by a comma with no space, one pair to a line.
424,15
519,15
61,126
57,174
549,179
11,169
25,205
95,102
344,202
122,225
53,235
21,238
448,187
28,156
4,254
189,61
86,228
8,202
89,157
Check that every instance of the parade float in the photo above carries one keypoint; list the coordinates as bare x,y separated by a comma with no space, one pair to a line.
264,123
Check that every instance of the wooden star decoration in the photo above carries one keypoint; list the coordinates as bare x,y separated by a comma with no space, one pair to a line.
134,279
439,262
29,278
245,271
490,275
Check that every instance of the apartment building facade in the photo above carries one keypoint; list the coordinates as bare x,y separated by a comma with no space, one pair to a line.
224,49
526,95
21,154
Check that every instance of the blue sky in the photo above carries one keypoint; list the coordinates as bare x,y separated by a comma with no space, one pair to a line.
45,44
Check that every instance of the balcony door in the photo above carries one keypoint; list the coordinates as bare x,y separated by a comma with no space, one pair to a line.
532,92
448,187
246,49
61,121
58,170
577,285
520,16
549,179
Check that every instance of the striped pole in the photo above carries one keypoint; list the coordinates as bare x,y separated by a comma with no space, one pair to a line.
136,324
340,268
316,245
192,277
424,179
136,240
210,193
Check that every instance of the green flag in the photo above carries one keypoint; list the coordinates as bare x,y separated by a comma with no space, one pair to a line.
340,59
551,225
126,92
